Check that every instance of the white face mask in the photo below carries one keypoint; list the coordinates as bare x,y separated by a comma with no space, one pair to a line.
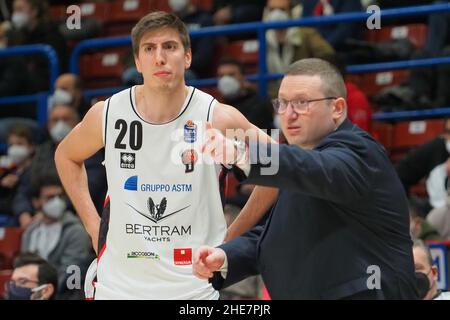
61,97
229,86
20,19
18,153
276,15
54,208
59,131
178,5
447,145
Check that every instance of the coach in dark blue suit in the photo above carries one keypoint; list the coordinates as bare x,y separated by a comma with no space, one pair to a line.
340,227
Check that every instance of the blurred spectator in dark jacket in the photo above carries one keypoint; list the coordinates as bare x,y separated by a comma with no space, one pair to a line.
238,92
13,76
428,160
235,11
14,79
69,91
285,46
335,34
31,25
15,174
202,47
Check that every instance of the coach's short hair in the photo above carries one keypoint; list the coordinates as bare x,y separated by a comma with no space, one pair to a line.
157,20
333,84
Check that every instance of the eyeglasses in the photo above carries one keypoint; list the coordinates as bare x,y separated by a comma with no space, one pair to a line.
299,106
22,282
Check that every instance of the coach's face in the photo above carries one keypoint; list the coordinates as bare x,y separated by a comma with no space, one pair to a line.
307,127
162,58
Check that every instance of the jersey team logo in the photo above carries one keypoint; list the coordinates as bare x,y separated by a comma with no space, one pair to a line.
156,210
182,256
127,160
189,158
190,132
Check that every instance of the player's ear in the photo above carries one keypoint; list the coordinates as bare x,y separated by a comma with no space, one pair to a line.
137,63
187,58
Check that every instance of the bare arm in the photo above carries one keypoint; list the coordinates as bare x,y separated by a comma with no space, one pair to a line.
81,143
257,205
262,198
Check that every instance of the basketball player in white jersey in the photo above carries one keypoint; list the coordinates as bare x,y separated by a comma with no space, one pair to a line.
163,203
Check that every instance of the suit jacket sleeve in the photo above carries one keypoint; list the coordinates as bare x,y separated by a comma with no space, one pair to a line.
338,171
242,259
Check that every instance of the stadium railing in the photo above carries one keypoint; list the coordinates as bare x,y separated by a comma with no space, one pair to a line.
262,76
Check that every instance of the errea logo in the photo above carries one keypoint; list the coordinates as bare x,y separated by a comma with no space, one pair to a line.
127,160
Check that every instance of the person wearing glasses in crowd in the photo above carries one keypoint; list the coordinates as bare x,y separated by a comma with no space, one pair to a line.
33,278
340,227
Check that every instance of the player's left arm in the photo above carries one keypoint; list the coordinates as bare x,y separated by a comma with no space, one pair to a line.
227,117
262,198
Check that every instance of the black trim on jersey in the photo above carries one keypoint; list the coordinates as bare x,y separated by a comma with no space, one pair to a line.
158,124
209,109
106,119
223,185
104,226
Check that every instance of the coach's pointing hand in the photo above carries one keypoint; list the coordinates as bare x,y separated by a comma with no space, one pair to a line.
206,261
220,148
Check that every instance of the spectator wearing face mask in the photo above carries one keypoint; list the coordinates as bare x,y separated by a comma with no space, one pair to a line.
57,234
15,174
69,91
31,25
285,46
427,273
237,92
61,120
202,47
33,278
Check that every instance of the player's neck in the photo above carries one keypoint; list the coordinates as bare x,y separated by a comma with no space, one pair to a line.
159,106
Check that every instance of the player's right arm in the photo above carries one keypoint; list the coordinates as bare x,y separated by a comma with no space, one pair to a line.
81,143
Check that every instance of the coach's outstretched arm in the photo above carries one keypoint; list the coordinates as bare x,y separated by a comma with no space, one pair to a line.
81,143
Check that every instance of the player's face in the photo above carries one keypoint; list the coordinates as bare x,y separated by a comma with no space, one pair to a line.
306,129
162,59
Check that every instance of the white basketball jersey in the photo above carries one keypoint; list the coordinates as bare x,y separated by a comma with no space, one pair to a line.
164,201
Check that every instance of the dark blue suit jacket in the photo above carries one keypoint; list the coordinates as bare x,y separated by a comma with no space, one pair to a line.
341,210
